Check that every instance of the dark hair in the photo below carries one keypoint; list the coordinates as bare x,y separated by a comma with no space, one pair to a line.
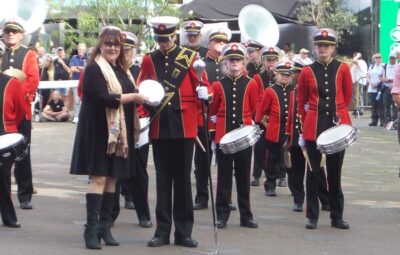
113,34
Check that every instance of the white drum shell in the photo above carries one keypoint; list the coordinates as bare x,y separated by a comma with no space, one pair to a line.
336,139
239,139
153,90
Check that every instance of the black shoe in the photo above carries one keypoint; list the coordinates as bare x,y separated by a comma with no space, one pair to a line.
298,207
145,223
129,205
249,223
255,182
27,205
372,124
383,124
187,242
341,224
221,224
325,208
157,241
282,182
232,207
311,224
199,206
270,193
12,224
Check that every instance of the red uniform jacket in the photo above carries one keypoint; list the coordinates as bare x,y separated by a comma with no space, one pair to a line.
275,105
328,89
24,59
293,124
12,105
234,103
179,117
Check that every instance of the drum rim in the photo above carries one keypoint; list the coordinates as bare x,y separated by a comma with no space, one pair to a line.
352,130
20,139
253,128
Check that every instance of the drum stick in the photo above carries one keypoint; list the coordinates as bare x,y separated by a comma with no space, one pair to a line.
200,144
307,158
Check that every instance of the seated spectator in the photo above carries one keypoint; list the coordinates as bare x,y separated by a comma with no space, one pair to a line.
55,109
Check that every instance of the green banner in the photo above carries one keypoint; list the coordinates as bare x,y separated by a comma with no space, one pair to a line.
389,36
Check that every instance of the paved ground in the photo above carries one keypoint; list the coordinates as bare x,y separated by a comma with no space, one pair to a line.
372,207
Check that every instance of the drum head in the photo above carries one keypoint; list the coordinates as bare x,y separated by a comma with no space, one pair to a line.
334,134
236,134
8,140
153,90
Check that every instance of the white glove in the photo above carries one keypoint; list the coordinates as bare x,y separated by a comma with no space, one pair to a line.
213,146
301,142
202,92
306,107
213,119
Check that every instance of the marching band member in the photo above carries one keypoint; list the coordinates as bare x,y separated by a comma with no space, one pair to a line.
18,56
325,87
13,111
172,132
297,170
275,106
218,37
234,104
135,188
255,64
270,57
193,36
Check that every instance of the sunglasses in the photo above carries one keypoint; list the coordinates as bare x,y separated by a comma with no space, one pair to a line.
110,44
14,31
378,57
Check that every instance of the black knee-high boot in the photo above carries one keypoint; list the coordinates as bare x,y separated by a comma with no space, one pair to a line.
93,205
106,219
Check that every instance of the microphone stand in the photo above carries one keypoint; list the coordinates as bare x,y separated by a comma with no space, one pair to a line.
199,67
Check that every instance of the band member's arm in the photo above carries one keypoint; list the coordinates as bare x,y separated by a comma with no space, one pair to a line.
260,87
31,70
264,107
396,85
302,94
216,87
253,98
347,84
14,106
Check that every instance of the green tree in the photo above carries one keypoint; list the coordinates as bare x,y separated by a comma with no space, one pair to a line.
91,15
327,13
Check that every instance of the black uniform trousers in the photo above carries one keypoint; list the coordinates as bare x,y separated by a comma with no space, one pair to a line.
241,162
6,205
274,164
173,162
296,178
334,164
23,168
202,171
377,109
260,154
136,187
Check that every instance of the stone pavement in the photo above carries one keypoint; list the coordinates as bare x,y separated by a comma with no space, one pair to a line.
372,207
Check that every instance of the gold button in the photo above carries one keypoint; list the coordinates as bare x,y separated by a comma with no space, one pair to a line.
166,71
11,67
234,95
217,70
286,105
217,77
285,99
327,98
12,53
284,94
326,75
234,108
296,126
326,68
166,57
234,102
169,103
233,122
327,90
234,115
286,112
166,64
11,60
166,89
327,113
326,83
327,105
234,83
234,89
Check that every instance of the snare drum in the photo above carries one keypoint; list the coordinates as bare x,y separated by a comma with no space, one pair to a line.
239,139
336,139
13,147
153,90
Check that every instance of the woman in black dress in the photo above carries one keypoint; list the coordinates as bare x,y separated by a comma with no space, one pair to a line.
106,132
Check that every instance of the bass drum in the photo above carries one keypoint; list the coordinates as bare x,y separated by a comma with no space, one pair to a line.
239,139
